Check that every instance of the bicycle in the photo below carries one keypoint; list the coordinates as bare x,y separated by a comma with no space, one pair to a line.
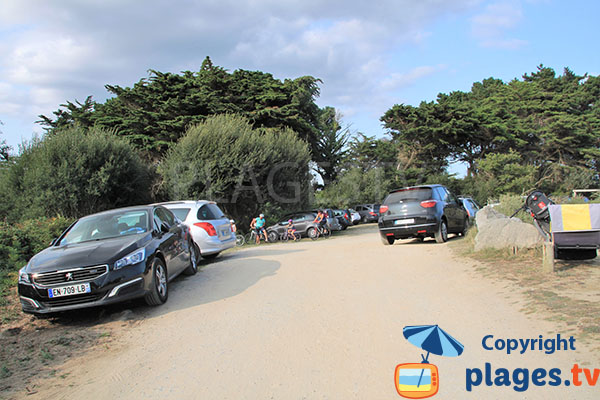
285,236
321,231
240,240
251,237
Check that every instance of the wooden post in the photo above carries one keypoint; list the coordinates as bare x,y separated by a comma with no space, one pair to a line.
548,258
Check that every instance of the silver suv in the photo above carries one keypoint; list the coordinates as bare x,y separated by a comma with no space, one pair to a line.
211,229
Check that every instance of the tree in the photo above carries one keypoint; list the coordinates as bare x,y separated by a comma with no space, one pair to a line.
552,122
331,145
156,111
71,114
245,169
72,173
4,148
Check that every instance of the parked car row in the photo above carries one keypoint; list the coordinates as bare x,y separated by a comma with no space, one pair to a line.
122,254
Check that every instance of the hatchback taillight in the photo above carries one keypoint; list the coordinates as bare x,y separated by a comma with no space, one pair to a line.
383,209
428,203
207,227
372,213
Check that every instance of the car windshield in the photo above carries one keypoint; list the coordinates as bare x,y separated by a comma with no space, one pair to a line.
412,194
107,225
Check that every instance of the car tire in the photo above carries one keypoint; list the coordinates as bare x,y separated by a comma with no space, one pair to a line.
441,235
272,236
159,290
312,233
388,240
364,219
210,256
194,255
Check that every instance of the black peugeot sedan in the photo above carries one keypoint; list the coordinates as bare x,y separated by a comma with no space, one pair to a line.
106,258
420,212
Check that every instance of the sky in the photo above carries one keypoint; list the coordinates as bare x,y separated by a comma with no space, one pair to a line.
368,55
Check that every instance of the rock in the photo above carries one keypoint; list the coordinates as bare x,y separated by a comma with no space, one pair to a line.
497,231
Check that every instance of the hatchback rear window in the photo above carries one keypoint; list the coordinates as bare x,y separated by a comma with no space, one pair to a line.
416,194
210,211
180,213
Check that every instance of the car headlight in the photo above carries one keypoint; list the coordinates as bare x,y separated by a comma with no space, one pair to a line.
24,276
136,257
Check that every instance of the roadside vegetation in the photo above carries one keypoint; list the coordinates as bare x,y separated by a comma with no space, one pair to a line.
255,143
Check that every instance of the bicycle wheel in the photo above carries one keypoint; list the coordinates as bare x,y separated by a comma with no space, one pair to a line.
240,240
251,237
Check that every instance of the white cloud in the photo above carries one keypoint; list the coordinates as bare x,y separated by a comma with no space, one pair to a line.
67,50
490,27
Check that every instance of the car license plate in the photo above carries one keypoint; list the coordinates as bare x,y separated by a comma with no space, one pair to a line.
69,290
404,221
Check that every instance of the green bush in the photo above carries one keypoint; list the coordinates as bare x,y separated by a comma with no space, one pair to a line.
245,170
74,172
19,242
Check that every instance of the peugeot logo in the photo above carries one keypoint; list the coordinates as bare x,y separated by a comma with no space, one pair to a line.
69,276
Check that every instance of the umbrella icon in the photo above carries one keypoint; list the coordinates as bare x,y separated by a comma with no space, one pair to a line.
432,339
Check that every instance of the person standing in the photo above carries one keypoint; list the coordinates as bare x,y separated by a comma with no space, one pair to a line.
260,228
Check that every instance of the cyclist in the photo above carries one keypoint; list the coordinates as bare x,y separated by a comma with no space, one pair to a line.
291,230
321,221
259,225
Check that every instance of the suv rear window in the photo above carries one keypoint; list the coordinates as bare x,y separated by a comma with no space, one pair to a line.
210,211
416,194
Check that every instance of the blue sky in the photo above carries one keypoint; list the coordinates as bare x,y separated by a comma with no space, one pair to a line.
370,55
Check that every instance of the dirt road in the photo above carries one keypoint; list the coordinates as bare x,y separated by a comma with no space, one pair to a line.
317,320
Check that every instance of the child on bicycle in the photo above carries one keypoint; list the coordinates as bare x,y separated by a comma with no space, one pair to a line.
291,230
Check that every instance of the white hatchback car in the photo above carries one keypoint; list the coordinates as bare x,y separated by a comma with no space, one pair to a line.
211,229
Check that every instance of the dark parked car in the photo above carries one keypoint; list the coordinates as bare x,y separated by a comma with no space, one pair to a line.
368,212
303,222
420,212
109,257
343,217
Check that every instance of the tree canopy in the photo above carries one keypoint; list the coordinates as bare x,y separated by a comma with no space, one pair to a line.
552,122
156,111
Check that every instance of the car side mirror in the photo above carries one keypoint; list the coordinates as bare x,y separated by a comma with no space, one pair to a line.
164,227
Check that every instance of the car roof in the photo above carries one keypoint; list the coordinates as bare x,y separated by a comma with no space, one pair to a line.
146,207
185,203
416,187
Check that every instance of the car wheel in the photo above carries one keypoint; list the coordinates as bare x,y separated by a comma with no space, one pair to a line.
364,219
210,256
273,236
441,235
388,240
312,233
159,291
193,267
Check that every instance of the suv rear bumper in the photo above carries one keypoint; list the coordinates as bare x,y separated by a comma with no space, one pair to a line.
408,231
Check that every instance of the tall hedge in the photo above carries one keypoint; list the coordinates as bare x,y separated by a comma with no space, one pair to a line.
245,170
72,173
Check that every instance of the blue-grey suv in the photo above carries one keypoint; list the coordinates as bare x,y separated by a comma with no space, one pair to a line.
420,212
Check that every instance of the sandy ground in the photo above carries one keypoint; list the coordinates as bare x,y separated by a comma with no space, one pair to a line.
316,320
